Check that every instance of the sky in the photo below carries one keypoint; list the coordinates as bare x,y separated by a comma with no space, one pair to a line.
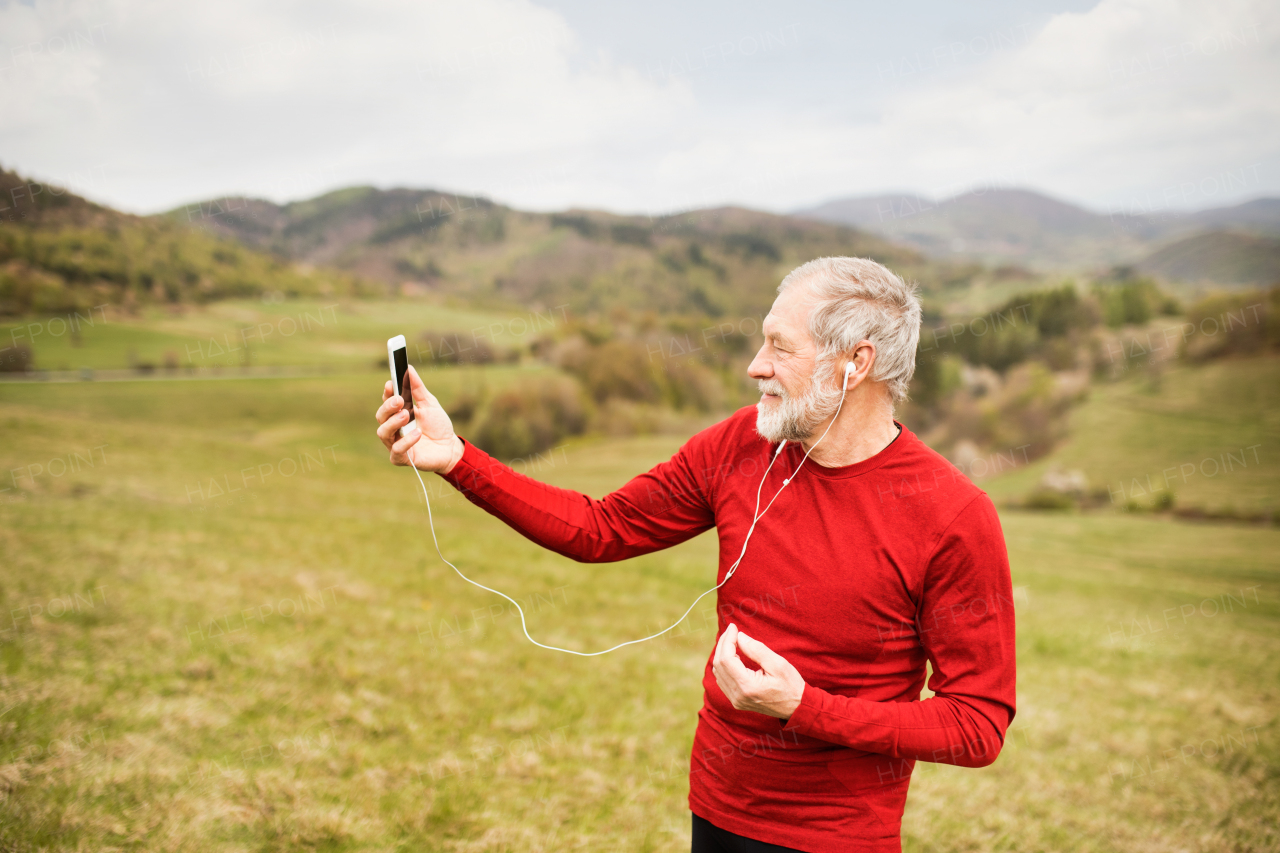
1134,105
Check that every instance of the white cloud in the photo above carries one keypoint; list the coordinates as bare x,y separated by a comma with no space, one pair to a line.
1132,96
184,100
1132,92
160,103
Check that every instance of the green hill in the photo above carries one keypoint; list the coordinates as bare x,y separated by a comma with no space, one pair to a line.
60,253
709,263
1207,434
1218,257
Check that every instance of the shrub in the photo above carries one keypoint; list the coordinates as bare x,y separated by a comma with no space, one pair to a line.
1048,499
615,369
1133,301
578,223
463,408
752,246
936,376
634,235
15,359
1044,323
531,417
1233,324
628,370
690,385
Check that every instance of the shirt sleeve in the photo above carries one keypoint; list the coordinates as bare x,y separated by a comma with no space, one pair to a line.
660,508
966,626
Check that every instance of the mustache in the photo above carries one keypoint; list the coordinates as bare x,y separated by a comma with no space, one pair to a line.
772,386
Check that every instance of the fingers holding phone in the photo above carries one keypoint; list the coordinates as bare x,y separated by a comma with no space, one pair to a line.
402,428
391,416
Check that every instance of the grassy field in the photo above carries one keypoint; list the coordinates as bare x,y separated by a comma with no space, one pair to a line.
1209,435
336,333
223,627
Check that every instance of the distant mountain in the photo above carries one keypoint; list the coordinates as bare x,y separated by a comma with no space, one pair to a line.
1017,226
1260,216
869,212
995,226
1221,257
716,262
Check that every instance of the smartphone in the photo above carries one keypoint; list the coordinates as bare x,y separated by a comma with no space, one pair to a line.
398,361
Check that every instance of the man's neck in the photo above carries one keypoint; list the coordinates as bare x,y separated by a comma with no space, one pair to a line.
864,428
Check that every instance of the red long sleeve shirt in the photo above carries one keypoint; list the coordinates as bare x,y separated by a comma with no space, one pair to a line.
857,576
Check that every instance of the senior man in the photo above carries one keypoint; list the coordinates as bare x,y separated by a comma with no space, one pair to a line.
879,556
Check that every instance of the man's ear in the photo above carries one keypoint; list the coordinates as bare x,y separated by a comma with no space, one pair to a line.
863,357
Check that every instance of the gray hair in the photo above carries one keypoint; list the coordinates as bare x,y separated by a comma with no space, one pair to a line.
859,299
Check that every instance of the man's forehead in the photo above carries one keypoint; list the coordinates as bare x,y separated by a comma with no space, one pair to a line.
788,314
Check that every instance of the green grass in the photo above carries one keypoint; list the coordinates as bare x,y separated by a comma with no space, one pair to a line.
338,333
289,666
1209,433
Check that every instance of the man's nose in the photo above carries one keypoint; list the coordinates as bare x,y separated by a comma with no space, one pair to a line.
760,368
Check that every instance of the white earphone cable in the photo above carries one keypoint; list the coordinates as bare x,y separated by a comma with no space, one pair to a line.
756,516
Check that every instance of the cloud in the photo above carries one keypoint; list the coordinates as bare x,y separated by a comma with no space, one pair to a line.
147,104
1132,92
183,100
1133,96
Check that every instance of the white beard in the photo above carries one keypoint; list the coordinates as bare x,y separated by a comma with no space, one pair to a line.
794,418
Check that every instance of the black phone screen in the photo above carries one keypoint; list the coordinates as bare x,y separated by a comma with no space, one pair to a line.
402,378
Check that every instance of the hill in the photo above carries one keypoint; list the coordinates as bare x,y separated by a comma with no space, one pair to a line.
711,263
1200,433
1018,226
869,212
1260,216
1222,257
1000,226
60,253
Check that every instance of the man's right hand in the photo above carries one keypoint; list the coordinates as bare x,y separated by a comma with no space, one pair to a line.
434,445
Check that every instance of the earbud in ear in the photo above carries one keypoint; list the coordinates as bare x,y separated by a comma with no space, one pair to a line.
849,368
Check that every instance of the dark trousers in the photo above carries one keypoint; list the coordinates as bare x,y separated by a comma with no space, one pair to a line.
709,838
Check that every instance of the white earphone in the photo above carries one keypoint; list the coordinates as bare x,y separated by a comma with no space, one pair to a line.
849,370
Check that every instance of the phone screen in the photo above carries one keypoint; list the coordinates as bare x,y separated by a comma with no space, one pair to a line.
401,357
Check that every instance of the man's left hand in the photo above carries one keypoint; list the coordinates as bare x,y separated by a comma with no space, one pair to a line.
774,690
